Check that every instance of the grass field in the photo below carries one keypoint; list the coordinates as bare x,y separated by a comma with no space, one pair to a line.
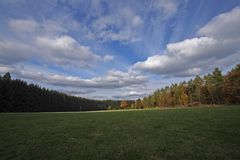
189,134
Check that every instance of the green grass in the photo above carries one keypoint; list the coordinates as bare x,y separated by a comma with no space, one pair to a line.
189,134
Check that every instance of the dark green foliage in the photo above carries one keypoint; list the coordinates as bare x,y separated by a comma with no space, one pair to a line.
172,134
7,77
18,96
138,104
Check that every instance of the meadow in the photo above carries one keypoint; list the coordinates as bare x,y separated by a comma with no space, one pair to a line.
158,134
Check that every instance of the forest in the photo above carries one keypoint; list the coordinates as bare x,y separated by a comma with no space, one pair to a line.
214,88
19,96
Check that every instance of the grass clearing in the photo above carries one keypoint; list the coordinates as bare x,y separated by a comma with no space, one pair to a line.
192,133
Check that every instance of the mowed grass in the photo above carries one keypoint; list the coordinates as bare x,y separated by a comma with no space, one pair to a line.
189,134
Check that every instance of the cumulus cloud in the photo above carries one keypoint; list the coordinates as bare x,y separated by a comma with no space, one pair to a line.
212,47
225,25
178,57
65,50
111,80
48,41
58,43
13,52
108,58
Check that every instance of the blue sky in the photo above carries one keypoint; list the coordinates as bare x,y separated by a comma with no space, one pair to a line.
109,49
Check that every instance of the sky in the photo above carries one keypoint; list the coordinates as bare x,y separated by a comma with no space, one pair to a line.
111,49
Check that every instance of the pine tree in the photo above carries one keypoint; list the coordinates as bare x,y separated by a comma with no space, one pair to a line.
7,77
198,83
219,84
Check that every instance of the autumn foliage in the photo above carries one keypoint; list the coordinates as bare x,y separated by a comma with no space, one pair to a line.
213,88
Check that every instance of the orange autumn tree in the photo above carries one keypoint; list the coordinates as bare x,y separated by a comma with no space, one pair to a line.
123,105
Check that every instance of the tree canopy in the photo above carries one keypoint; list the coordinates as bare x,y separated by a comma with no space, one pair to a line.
18,96
213,88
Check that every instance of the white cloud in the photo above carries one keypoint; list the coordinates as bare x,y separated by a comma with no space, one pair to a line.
178,57
155,64
130,18
65,50
119,25
124,36
13,52
137,20
5,68
190,47
225,25
111,80
108,58
50,42
46,27
167,7
196,55
130,95
57,43
128,21
52,27
23,25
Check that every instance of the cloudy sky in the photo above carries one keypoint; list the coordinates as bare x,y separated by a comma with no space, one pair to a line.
116,49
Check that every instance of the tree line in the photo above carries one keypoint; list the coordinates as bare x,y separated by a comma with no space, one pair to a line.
19,96
213,88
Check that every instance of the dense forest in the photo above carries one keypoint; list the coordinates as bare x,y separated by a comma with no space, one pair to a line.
213,88
19,96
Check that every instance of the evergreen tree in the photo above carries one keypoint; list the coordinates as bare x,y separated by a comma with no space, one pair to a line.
7,77
138,104
198,83
18,96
